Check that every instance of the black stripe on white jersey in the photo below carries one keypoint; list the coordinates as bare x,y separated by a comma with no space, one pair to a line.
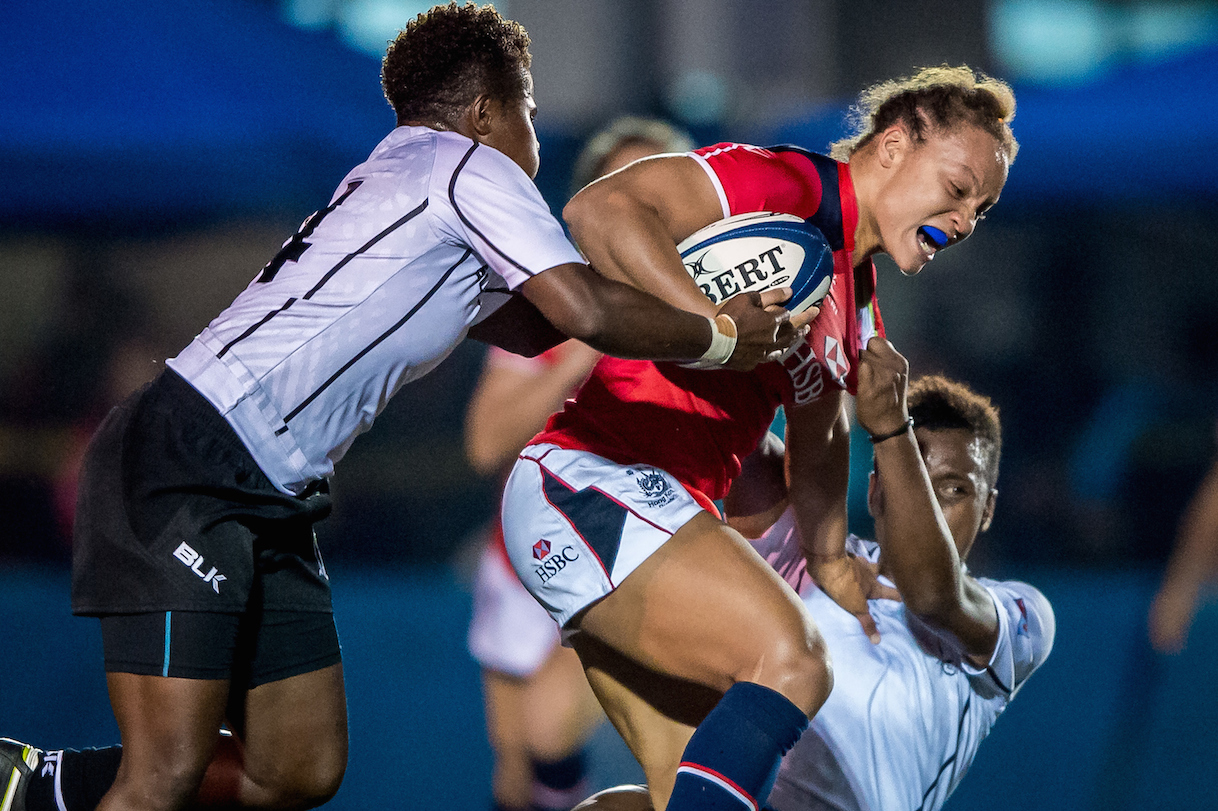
951,760
998,682
452,197
382,337
255,327
405,218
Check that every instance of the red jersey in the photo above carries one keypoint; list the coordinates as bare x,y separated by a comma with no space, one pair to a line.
699,425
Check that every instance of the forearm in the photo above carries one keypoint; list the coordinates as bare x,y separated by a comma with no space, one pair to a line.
918,546
1194,560
625,239
615,318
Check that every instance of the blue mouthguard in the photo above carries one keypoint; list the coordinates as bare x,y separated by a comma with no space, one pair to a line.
934,235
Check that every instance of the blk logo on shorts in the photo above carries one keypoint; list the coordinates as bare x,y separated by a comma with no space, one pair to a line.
554,563
195,561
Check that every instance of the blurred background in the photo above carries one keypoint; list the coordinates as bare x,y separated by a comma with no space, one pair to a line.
155,155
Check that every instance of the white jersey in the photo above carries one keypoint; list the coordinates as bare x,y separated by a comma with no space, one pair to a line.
419,242
905,717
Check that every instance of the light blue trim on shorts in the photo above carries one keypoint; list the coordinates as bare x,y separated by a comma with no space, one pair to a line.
168,626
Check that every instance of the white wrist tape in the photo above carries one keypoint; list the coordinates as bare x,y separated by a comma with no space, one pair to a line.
722,345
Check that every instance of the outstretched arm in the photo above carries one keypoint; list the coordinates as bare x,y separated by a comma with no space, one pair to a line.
1193,562
918,546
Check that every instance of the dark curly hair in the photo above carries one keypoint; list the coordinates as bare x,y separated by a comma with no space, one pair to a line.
936,403
938,99
444,58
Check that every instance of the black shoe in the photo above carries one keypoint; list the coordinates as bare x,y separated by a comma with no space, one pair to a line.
17,762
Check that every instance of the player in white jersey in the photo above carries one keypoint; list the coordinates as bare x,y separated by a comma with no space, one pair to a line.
194,540
905,717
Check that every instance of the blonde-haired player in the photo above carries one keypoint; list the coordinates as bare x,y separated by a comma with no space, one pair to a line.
651,587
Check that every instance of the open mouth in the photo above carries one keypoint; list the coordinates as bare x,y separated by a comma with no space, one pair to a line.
931,239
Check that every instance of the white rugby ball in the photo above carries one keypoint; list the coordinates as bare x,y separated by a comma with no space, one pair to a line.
759,251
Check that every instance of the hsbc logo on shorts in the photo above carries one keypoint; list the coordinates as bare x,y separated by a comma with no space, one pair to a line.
195,561
552,564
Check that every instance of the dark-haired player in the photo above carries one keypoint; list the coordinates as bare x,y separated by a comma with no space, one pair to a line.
608,515
905,717
194,539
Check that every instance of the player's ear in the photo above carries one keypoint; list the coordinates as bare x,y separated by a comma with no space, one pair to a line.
480,115
987,515
891,144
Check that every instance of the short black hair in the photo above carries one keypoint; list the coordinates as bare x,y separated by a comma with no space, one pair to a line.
444,58
936,402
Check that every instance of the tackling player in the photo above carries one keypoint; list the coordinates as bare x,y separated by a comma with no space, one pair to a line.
194,537
906,717
608,516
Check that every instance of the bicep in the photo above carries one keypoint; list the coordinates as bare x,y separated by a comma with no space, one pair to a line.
675,187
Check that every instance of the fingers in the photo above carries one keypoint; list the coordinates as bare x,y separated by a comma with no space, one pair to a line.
776,296
806,317
869,627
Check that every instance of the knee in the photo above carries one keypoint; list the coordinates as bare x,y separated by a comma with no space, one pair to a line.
797,665
160,783
297,786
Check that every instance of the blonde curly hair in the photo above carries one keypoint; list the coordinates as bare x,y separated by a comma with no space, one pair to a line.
933,99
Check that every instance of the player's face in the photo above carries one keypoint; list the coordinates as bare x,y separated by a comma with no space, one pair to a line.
512,130
956,462
935,192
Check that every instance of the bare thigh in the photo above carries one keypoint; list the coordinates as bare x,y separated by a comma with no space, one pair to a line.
707,608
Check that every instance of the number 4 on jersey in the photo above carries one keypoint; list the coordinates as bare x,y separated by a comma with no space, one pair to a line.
295,247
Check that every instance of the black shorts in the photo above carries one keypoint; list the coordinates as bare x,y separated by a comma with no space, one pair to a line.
248,650
173,514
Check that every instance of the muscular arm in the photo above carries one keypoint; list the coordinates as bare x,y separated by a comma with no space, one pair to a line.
922,557
629,223
615,318
918,547
818,468
759,494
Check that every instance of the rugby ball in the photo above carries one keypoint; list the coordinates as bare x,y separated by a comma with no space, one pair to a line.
759,251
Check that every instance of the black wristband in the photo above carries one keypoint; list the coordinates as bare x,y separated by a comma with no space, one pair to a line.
875,440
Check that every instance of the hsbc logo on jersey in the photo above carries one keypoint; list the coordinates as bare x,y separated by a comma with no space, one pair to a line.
553,564
751,274
835,360
195,561
806,372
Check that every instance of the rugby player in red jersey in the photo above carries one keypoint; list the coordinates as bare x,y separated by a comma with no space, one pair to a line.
608,515
540,711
